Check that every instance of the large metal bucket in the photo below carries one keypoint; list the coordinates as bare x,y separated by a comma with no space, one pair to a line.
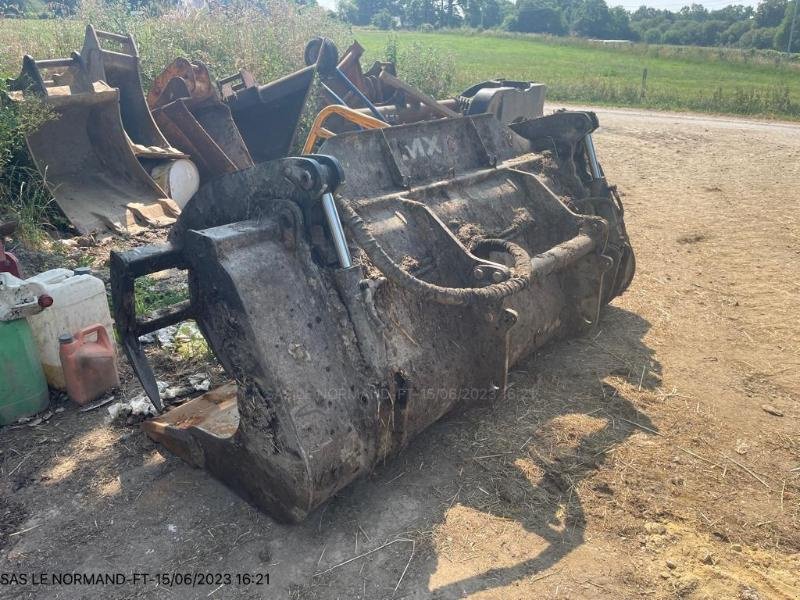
85,155
351,323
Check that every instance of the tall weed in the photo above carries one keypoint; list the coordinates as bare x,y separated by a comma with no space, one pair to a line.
23,194
424,67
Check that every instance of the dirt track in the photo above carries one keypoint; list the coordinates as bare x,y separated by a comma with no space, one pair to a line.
637,462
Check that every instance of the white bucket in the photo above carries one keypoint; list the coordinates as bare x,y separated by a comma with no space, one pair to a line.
178,178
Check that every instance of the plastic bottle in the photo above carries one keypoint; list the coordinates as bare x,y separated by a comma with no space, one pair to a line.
89,366
79,300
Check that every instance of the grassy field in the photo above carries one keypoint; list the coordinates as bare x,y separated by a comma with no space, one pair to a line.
706,80
678,78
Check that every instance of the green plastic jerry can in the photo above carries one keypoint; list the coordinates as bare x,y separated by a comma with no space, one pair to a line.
23,389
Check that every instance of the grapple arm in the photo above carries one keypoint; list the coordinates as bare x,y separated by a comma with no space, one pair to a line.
126,267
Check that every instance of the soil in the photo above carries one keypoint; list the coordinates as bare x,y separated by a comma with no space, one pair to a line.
634,462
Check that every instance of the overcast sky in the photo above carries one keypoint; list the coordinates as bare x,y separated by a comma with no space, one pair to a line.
634,4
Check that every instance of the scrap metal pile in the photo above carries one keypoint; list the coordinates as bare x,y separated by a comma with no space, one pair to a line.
355,293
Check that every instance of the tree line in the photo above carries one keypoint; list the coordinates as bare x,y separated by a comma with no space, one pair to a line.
770,25
766,26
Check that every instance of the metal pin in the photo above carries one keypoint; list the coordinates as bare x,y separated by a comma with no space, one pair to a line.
337,231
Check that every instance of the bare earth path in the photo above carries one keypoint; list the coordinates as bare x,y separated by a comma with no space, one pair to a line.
636,462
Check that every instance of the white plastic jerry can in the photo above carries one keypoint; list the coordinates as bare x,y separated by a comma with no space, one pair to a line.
79,300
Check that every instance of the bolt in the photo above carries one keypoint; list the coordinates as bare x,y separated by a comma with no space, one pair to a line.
498,276
478,273
510,317
306,181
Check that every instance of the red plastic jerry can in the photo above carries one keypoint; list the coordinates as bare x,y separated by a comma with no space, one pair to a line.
90,366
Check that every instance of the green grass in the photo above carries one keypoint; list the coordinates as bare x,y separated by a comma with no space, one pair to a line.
709,80
151,295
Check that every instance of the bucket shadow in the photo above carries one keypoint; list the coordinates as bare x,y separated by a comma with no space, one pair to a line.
565,381
558,517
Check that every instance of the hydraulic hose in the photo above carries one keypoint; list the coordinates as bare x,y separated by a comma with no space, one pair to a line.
443,295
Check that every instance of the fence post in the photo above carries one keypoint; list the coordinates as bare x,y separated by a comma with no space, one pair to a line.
643,93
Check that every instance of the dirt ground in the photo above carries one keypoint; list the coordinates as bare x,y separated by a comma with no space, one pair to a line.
636,462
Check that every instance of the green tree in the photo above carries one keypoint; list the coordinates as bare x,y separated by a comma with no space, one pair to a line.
484,13
732,13
361,12
420,12
684,33
781,40
494,11
652,36
538,16
620,24
770,13
712,31
695,12
383,19
591,19
758,37
734,32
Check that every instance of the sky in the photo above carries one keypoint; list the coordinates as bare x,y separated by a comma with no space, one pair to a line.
634,4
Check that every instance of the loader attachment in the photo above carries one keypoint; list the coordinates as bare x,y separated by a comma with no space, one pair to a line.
344,80
382,94
368,82
186,106
509,101
351,315
84,154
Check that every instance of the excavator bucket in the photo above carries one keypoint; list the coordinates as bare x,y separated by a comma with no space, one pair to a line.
119,68
351,315
267,116
186,106
85,155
